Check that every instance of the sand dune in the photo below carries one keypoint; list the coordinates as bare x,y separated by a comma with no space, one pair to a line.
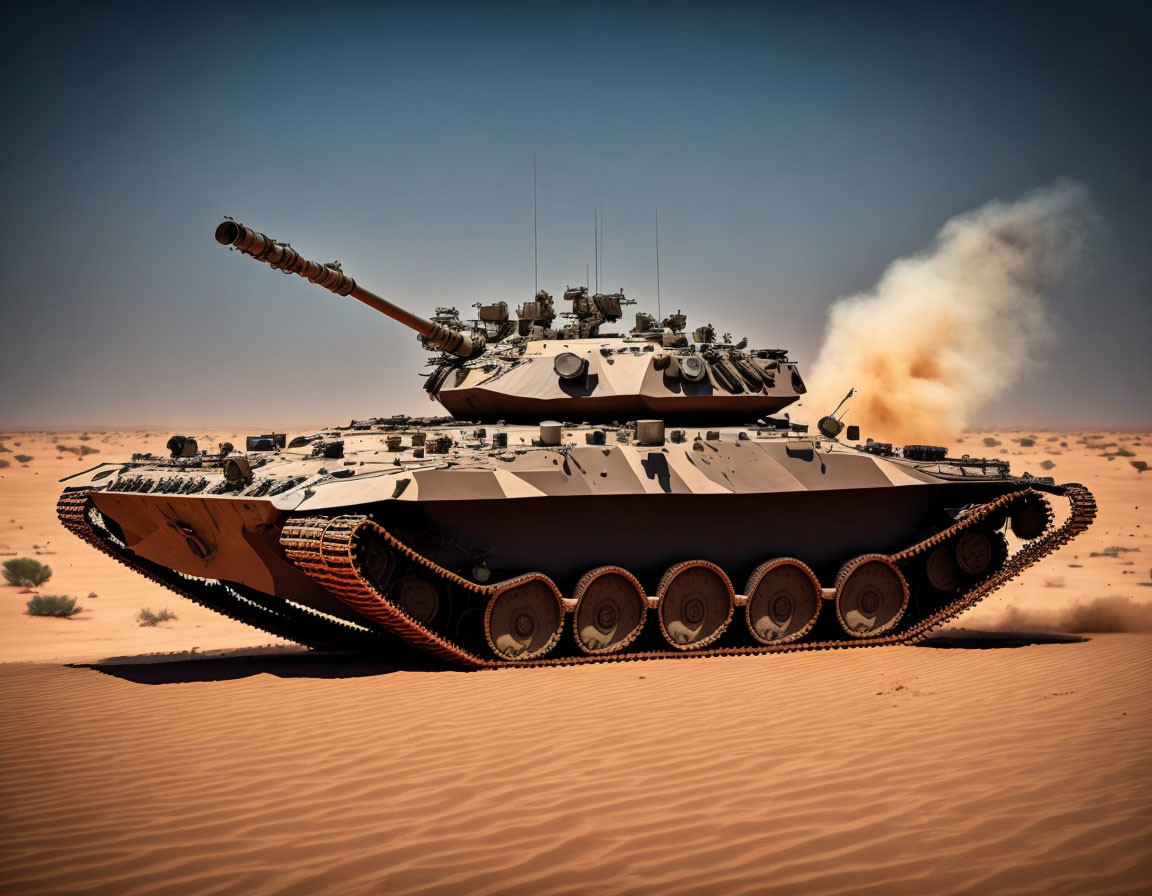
898,770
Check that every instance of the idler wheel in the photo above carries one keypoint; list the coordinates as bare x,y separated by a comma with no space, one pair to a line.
610,610
1032,519
417,597
696,602
943,573
525,618
783,601
871,596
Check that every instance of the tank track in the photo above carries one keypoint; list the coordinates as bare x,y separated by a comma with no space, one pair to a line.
262,611
329,549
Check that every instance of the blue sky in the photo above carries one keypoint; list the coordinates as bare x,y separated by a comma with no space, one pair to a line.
793,153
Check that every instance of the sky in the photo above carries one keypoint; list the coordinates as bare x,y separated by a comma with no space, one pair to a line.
793,152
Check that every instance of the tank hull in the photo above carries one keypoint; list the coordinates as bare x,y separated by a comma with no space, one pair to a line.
384,545
562,536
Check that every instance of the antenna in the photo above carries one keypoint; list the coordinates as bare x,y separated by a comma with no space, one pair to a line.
601,287
596,244
851,392
535,238
659,314
831,426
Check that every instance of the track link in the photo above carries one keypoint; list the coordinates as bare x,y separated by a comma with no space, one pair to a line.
329,550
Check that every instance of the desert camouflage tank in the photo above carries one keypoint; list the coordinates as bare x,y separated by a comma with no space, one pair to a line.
595,494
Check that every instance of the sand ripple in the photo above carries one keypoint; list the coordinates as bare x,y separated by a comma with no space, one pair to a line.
894,770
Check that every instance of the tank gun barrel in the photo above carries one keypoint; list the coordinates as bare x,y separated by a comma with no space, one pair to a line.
284,258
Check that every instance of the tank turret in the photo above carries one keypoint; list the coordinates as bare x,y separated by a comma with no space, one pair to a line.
565,365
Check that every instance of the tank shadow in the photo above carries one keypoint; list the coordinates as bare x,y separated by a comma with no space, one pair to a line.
304,664
974,639
183,668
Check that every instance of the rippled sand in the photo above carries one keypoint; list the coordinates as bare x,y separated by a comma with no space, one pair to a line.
894,770
890,770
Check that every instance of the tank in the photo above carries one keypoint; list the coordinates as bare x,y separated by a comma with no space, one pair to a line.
598,489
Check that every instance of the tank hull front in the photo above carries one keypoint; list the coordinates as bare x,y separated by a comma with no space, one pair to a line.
215,538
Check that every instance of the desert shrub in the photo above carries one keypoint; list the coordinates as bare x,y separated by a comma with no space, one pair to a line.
92,595
24,572
1026,443
52,605
147,617
4,449
1140,465
84,437
1114,551
1047,464
990,442
24,458
3,464
80,450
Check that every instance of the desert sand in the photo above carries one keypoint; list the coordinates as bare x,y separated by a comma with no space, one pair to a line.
265,769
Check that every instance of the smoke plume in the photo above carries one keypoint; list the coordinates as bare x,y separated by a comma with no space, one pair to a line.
947,330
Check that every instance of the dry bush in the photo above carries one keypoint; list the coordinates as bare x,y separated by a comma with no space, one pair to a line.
990,442
147,618
24,458
79,450
24,572
1047,464
52,605
1114,550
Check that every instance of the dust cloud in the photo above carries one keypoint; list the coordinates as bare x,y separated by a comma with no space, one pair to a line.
949,329
1104,614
